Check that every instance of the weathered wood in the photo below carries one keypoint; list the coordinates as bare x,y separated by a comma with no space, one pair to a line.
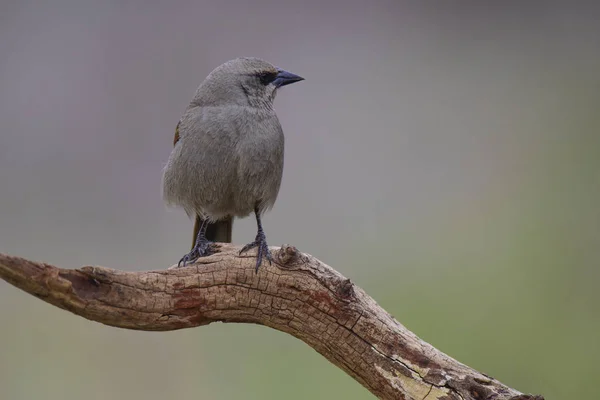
299,295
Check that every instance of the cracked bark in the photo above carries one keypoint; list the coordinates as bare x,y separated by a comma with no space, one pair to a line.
298,295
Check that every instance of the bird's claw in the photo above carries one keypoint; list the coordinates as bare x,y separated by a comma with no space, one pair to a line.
262,250
201,249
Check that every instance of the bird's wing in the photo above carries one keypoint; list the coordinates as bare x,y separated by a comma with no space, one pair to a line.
176,138
219,231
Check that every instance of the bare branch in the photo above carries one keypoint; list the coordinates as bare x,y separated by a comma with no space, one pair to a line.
300,296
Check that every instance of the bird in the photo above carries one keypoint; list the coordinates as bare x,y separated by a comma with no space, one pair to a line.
227,156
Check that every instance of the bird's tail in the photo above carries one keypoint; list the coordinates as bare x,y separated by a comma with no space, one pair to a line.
219,231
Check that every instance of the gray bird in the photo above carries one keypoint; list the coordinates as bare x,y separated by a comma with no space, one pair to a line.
227,159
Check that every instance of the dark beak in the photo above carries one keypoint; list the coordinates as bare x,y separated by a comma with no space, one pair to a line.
285,78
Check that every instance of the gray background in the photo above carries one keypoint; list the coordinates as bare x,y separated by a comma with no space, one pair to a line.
445,156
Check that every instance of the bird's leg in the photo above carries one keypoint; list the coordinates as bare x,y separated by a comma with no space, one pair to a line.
260,243
200,249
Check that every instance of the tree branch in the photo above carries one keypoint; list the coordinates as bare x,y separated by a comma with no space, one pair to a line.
299,295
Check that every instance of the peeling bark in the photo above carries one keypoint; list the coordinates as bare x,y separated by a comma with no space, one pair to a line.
298,295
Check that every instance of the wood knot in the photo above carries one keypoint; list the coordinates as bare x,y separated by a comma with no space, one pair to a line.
474,388
90,271
345,288
288,255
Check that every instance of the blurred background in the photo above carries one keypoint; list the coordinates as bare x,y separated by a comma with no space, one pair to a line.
445,156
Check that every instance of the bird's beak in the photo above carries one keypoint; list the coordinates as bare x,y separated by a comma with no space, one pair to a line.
285,78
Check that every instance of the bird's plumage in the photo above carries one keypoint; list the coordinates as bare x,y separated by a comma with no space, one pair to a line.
227,159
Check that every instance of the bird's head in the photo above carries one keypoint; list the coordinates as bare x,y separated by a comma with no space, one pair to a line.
243,81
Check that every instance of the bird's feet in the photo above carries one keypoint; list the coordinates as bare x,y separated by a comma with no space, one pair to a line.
202,248
262,249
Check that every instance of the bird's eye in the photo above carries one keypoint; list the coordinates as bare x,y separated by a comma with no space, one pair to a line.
267,77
